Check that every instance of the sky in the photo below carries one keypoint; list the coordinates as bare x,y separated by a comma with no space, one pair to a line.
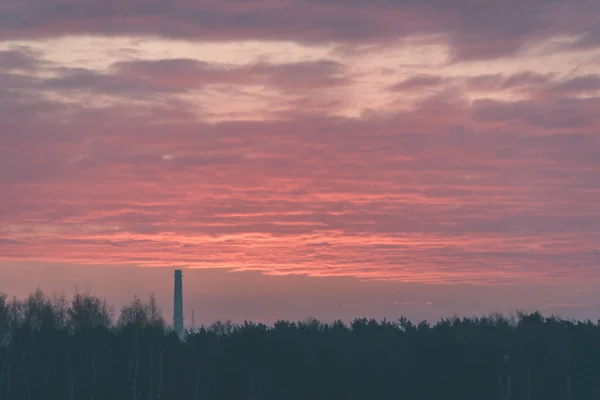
304,158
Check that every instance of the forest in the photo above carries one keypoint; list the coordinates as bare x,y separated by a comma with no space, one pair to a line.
80,349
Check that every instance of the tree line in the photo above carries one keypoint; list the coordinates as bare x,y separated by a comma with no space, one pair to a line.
51,348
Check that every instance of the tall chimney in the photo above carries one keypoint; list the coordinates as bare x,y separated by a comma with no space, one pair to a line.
178,304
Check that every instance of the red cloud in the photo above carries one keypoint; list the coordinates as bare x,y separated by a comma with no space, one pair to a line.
449,192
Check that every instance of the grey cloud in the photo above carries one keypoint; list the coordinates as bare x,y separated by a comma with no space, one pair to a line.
557,114
419,82
475,29
524,81
169,76
581,84
18,60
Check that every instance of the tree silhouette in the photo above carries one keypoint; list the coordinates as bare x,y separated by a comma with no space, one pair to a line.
53,349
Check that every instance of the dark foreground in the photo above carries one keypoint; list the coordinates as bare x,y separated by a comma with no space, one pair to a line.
51,349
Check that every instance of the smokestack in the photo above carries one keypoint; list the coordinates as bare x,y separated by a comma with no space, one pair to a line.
178,304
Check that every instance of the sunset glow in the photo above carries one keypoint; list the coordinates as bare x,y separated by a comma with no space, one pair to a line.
448,144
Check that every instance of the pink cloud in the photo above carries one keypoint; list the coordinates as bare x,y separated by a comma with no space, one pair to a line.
450,191
452,199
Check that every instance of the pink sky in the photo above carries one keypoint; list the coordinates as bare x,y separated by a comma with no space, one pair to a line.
302,158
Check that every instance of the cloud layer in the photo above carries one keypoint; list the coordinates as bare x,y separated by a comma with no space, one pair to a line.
474,29
402,141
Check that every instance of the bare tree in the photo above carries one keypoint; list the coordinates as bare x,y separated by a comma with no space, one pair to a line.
161,350
70,379
134,364
95,360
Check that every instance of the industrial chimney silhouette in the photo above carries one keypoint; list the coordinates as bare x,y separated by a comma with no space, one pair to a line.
178,304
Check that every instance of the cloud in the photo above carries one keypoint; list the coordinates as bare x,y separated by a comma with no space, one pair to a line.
323,163
551,115
418,82
578,85
475,30
14,60
433,203
522,81
172,76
